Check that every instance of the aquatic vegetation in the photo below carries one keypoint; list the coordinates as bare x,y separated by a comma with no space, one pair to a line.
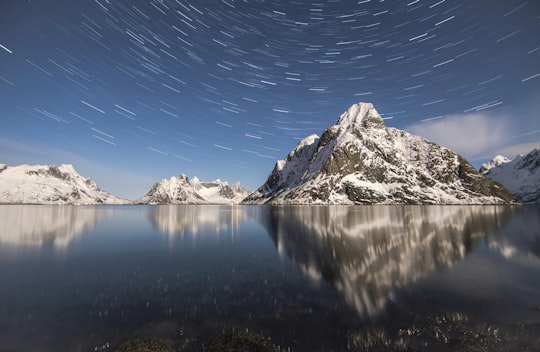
450,332
144,345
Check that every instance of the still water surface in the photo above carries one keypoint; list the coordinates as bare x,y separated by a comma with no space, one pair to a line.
309,278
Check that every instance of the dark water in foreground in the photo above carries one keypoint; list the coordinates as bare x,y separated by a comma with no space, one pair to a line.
309,278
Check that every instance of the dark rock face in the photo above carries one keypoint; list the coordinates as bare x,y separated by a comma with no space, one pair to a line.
476,183
361,161
530,161
227,192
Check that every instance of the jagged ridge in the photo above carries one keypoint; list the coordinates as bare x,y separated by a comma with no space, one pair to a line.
182,190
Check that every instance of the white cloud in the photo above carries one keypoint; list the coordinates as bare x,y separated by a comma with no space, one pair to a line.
471,135
482,135
511,151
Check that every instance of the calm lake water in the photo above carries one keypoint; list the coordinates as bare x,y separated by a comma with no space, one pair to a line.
328,278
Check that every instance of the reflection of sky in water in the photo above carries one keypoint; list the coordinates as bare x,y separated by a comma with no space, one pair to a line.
132,270
499,280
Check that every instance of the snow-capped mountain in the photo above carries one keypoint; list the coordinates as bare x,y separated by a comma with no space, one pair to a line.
520,176
495,162
361,161
218,191
181,190
45,184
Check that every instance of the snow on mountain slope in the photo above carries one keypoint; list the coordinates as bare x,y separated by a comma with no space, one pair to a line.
520,176
495,162
44,184
181,190
361,161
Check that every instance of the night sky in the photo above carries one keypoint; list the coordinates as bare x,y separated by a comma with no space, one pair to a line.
134,91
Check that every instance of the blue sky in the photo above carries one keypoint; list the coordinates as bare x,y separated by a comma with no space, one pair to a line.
134,91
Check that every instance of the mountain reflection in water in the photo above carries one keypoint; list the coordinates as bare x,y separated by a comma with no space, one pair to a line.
46,225
367,252
181,220
286,272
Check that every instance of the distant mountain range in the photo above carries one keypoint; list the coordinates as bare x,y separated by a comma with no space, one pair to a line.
520,176
182,190
44,184
361,161
356,161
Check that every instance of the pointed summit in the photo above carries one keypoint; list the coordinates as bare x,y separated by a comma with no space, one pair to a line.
495,162
361,115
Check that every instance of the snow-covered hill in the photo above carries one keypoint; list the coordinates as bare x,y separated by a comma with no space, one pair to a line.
520,176
182,190
361,161
44,184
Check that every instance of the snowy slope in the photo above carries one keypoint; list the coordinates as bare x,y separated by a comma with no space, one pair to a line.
44,184
495,162
520,176
361,161
181,190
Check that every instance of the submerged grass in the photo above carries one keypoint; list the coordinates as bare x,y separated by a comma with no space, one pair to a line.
451,332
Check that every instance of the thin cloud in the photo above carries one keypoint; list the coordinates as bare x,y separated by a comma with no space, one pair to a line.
481,135
471,135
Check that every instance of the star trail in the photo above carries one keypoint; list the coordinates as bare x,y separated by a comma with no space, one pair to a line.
133,91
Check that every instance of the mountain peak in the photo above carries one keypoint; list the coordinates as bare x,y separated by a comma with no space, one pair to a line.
184,177
359,160
67,168
520,176
361,115
495,162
